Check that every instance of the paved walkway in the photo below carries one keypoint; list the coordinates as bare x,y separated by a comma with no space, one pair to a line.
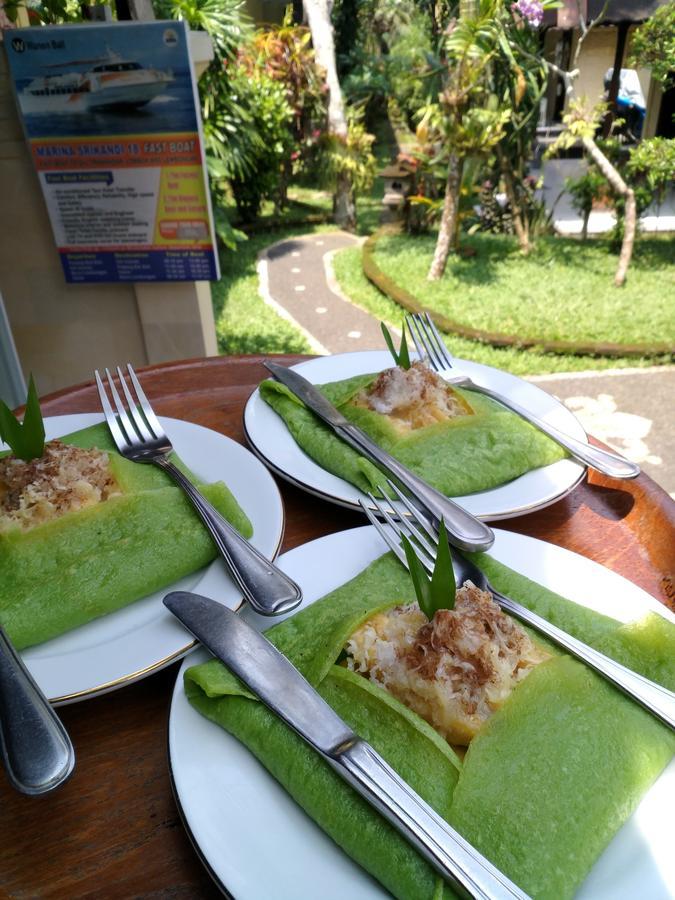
293,276
632,410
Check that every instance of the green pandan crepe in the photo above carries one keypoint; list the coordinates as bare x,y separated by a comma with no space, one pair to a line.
463,455
87,563
544,786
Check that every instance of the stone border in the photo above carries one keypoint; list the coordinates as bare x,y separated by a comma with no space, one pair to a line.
570,348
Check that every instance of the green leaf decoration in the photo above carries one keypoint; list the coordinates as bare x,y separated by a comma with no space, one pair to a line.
401,357
420,579
26,440
437,592
443,584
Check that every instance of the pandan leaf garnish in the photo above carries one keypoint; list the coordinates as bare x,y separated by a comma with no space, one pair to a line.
26,440
437,592
401,357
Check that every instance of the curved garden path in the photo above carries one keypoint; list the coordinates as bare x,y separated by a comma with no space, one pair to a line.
296,279
633,410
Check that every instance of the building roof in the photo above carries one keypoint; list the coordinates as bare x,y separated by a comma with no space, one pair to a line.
617,11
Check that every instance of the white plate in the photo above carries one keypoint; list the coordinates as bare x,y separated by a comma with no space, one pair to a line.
143,637
258,843
267,434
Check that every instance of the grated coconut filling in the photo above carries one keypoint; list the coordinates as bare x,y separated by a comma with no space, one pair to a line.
454,671
62,480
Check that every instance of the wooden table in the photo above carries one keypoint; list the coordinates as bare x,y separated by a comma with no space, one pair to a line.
113,831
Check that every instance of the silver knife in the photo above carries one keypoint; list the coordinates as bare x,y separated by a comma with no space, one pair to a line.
464,530
269,675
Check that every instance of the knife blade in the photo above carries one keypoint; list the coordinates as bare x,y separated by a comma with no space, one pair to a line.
281,687
464,530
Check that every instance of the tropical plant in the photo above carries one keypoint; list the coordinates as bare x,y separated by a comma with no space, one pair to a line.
285,54
231,141
581,122
519,78
272,118
653,45
386,59
44,12
351,157
466,118
584,192
652,163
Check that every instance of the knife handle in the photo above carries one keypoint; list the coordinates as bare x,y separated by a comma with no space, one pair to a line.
464,529
34,746
454,858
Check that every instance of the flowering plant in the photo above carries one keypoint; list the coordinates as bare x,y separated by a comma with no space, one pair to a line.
531,11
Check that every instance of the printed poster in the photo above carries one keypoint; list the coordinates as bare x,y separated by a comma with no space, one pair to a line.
112,119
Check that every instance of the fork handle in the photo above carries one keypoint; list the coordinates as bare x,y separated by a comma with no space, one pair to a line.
608,463
657,699
464,529
269,591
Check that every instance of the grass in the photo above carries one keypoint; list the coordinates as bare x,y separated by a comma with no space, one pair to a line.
562,291
348,271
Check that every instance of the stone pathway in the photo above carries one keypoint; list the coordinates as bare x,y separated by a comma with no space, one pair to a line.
293,276
632,410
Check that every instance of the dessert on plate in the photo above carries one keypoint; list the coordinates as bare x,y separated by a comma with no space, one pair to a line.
458,441
557,759
84,531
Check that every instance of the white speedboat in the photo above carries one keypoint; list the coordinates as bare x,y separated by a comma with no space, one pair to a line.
110,82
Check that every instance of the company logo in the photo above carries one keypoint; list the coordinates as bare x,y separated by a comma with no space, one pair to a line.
170,37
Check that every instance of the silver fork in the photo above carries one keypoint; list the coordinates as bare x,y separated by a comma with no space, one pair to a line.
424,537
140,437
429,344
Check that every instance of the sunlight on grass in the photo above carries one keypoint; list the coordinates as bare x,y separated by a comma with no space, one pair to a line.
347,266
562,291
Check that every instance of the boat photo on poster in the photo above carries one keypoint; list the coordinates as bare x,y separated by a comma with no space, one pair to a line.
111,115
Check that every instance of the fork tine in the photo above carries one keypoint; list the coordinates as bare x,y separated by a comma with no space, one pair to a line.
430,547
443,351
124,420
425,338
136,415
419,347
117,433
402,527
385,534
152,419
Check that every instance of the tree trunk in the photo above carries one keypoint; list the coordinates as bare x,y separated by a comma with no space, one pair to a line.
630,216
344,207
629,229
447,232
318,17
520,225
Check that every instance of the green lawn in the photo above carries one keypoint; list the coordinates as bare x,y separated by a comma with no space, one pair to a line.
562,291
347,265
472,291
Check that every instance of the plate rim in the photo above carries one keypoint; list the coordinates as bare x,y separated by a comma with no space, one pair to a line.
178,690
345,502
156,666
